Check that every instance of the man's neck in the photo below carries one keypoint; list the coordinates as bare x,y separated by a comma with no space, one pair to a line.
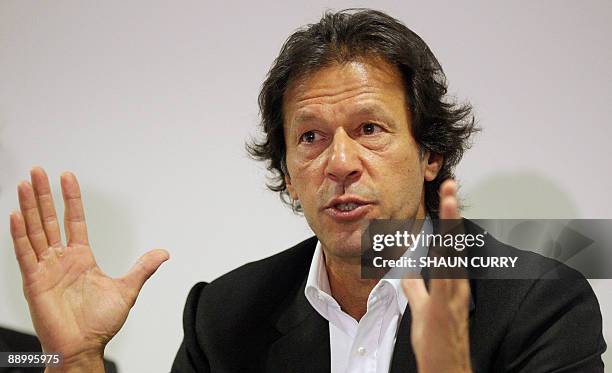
347,286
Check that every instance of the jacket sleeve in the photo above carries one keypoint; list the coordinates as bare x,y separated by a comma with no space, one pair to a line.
190,358
557,328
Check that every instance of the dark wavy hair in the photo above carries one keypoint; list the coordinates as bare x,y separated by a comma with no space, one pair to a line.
439,125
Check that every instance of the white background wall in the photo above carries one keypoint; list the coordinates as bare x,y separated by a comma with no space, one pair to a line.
150,102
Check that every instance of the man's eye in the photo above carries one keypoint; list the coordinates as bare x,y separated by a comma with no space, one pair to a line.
309,137
370,128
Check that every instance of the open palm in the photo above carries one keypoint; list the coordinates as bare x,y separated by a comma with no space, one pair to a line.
76,309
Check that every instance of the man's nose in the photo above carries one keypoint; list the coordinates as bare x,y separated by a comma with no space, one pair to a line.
344,165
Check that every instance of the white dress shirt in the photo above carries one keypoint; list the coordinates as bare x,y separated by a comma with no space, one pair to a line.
364,346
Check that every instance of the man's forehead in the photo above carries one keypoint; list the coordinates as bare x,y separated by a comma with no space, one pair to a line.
368,81
335,77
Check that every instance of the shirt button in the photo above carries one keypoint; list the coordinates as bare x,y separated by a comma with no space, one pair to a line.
362,351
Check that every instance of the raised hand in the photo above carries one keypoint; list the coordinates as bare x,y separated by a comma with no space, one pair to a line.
439,330
76,309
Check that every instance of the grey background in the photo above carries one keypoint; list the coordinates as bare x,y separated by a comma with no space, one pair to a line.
149,103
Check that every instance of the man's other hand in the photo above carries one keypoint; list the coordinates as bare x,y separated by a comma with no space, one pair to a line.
439,330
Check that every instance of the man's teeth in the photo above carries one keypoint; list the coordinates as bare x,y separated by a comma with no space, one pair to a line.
347,206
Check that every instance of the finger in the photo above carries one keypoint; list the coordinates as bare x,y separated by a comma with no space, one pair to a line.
449,205
42,190
441,288
29,211
461,289
26,257
74,215
448,188
453,224
144,268
450,289
456,291
449,208
415,291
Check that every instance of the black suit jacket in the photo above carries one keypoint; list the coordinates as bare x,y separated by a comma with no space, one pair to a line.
257,319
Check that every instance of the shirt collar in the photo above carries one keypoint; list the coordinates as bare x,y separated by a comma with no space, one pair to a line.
318,290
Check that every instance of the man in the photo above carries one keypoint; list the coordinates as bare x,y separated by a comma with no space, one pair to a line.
357,127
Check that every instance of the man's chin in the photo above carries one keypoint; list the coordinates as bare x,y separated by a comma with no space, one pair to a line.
341,239
344,245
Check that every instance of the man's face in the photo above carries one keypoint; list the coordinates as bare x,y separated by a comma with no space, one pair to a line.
351,156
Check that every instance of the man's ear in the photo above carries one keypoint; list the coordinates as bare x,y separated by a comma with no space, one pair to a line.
433,165
291,189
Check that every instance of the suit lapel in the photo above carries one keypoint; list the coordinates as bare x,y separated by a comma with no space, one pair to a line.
304,349
303,345
403,360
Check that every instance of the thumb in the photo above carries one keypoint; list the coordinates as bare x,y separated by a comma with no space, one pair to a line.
143,269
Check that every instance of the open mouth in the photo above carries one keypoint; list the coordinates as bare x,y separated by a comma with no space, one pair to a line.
347,209
347,206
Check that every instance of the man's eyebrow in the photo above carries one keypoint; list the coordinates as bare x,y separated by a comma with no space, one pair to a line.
305,116
373,110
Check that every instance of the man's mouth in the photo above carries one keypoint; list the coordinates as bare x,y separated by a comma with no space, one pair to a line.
347,208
